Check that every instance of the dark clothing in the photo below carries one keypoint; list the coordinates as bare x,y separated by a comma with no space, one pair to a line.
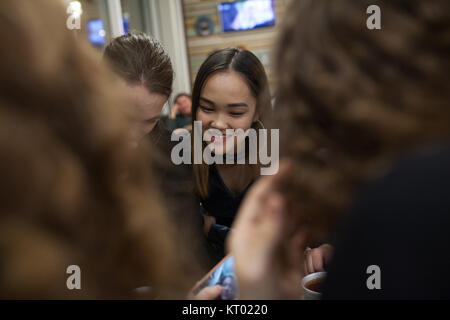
400,223
223,205
160,137
176,185
180,121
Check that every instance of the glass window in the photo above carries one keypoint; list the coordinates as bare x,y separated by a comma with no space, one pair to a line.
133,15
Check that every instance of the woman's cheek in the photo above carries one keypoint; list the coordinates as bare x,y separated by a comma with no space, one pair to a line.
243,124
201,116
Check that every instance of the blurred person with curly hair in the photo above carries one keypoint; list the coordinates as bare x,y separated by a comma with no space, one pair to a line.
365,124
73,189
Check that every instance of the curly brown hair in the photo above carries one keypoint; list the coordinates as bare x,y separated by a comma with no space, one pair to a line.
73,191
350,100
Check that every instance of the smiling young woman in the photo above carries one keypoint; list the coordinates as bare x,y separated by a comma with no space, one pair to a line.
230,92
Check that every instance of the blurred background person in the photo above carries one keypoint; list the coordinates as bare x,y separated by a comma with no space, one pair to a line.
73,191
366,124
180,115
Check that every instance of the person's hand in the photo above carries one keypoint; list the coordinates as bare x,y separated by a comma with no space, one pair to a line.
208,293
268,258
173,111
316,259
208,221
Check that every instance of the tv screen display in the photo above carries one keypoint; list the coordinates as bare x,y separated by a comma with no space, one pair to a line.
96,31
246,15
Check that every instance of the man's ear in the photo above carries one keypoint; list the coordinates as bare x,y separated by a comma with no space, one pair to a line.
256,117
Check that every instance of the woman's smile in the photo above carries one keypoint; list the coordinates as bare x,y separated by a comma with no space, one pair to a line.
220,138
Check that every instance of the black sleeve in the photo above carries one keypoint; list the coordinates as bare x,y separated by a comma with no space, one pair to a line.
401,224
218,233
215,240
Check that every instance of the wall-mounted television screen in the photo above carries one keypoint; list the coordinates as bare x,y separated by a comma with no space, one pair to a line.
96,31
246,15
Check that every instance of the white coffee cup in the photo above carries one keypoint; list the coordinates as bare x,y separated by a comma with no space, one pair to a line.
309,294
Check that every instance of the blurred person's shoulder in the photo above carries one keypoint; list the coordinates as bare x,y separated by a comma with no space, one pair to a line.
401,224
424,172
432,160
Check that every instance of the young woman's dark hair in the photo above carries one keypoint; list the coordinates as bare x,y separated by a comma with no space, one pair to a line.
250,68
138,58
